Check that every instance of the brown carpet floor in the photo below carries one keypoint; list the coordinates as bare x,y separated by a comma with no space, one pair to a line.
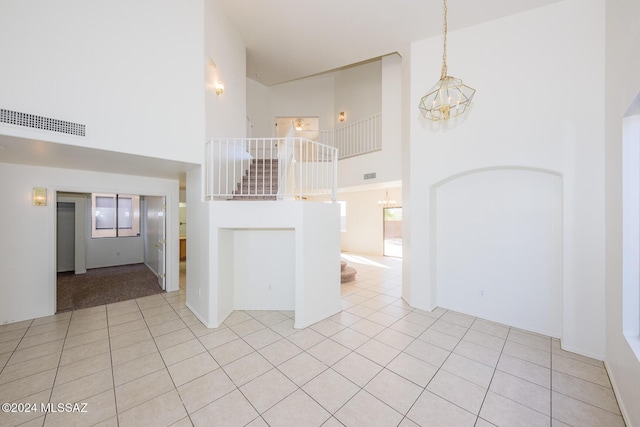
104,286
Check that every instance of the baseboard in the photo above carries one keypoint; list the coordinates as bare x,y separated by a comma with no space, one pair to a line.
205,323
614,386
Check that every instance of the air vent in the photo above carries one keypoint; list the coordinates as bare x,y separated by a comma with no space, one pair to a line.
371,175
40,122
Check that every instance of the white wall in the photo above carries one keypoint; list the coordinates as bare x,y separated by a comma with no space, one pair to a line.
259,110
316,231
513,123
361,91
131,72
387,99
198,246
622,86
365,221
97,253
312,97
28,286
264,276
358,92
109,252
225,114
498,243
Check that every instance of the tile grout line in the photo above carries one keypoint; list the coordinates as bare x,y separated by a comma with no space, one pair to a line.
55,377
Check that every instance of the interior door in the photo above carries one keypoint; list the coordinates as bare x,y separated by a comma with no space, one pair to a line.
156,226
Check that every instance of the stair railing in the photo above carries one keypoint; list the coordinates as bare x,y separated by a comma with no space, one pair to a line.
290,168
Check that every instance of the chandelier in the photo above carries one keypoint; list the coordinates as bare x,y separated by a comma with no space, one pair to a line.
449,97
386,203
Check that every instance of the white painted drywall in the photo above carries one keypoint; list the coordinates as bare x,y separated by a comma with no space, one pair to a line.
387,88
312,97
365,220
316,227
499,247
518,119
622,87
30,258
259,110
264,275
225,114
198,247
107,252
131,72
358,92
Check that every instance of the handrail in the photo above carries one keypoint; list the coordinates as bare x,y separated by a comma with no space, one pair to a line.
290,168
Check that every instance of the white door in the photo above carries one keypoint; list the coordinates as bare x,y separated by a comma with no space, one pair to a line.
156,237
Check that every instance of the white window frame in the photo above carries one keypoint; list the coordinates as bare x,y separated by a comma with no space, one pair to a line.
116,231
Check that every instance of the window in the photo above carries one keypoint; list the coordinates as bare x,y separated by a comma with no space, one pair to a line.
115,215
631,231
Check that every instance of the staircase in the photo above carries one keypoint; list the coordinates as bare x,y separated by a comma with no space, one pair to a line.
347,274
259,182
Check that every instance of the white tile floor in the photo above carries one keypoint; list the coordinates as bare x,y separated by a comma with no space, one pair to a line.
378,363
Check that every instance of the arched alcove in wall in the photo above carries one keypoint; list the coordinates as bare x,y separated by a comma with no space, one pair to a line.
497,246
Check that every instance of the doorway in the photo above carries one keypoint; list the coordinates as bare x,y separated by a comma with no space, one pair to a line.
392,234
136,262
66,236
304,127
154,237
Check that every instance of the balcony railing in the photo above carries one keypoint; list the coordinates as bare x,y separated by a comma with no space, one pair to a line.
355,139
290,168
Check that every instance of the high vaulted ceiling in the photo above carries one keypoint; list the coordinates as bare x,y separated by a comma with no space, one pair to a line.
291,39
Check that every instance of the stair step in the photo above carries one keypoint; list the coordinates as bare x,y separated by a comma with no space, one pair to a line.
260,166
253,197
348,275
248,188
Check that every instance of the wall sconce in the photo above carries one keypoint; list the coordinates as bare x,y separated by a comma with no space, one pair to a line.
219,87
39,196
341,116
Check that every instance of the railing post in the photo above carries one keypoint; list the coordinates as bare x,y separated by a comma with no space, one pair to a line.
334,192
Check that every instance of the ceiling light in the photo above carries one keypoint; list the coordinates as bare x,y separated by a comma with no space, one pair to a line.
449,97
386,203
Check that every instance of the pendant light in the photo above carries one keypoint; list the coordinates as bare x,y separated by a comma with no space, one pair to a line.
449,97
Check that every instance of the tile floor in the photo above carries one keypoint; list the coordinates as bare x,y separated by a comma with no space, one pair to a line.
377,363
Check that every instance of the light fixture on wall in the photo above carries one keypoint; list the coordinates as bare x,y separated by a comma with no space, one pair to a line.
386,203
449,97
218,86
341,116
39,197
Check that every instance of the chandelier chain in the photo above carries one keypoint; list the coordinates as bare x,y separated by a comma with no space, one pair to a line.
444,51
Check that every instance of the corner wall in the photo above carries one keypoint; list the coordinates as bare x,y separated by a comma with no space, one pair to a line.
130,71
27,259
513,124
622,86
